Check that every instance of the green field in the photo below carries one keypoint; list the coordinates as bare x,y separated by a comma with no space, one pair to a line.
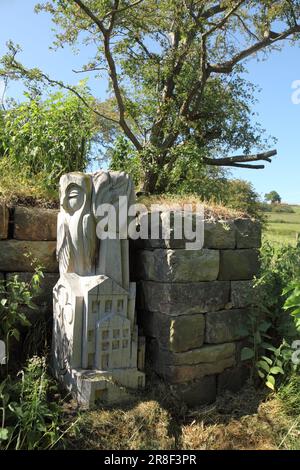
283,227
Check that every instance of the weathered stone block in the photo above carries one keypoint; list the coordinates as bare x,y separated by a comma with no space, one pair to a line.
226,325
187,373
238,264
219,235
243,294
1,276
183,299
4,220
174,333
13,255
200,392
178,265
35,224
248,233
206,354
232,379
45,296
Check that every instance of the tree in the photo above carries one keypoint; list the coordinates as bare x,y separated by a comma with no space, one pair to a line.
273,197
174,72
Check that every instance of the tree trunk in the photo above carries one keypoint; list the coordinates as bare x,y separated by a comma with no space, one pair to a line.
150,181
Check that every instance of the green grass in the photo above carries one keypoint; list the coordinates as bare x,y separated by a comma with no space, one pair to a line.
283,228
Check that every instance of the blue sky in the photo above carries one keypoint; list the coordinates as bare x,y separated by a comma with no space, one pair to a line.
277,113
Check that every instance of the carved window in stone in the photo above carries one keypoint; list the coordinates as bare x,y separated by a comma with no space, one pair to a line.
120,305
95,306
104,361
105,346
105,334
116,344
125,333
116,333
108,306
125,343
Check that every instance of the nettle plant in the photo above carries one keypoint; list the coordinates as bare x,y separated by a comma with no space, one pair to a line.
15,297
274,323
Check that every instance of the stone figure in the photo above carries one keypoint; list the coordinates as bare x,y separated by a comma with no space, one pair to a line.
76,234
95,336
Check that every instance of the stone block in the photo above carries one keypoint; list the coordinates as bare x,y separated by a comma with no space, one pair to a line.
188,373
238,264
45,297
174,333
199,392
35,224
4,221
248,233
232,379
243,294
183,299
2,277
13,255
191,365
178,265
226,325
219,235
207,354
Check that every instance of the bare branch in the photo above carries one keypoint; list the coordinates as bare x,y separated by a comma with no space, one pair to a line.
240,160
112,70
224,20
92,69
20,71
120,10
91,15
227,66
248,31
213,11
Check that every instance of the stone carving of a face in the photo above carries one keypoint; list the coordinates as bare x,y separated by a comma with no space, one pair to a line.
76,237
73,199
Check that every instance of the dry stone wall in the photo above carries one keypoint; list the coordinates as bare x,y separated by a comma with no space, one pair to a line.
193,307
28,234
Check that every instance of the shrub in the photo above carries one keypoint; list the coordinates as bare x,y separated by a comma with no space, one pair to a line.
46,138
273,329
31,418
15,297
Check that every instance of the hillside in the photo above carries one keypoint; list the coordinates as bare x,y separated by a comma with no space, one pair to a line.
283,227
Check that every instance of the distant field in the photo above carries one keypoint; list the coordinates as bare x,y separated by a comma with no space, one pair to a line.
282,227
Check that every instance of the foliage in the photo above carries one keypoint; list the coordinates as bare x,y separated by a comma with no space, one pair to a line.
292,302
289,393
15,297
123,157
175,73
30,418
240,195
45,138
273,197
272,330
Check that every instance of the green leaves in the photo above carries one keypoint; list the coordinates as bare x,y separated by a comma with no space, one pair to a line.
15,298
247,353
50,136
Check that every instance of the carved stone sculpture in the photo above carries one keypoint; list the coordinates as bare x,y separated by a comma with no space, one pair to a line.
96,349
